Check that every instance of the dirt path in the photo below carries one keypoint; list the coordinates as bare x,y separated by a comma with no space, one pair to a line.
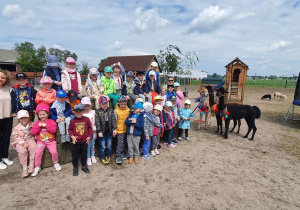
206,173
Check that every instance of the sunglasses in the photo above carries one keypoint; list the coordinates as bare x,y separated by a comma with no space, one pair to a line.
170,80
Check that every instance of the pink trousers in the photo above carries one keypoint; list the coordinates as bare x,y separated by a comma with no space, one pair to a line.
23,153
40,151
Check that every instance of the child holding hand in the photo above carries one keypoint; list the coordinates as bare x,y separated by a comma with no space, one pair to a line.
47,95
44,129
185,120
24,142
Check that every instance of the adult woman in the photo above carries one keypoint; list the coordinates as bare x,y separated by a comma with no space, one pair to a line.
6,120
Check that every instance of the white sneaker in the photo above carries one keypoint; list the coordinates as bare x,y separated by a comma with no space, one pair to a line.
2,166
94,159
7,161
57,167
156,151
36,171
153,153
89,162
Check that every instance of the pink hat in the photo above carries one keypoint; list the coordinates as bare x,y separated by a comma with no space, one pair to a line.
86,100
46,79
42,107
70,60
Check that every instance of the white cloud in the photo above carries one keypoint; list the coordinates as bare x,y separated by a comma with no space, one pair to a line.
148,20
244,15
116,46
209,19
19,18
279,45
55,46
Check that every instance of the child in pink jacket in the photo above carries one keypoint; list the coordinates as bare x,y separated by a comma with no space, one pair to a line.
47,95
24,142
70,78
44,129
179,94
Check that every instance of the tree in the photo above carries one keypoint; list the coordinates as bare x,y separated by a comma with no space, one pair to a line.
61,55
102,61
85,67
173,60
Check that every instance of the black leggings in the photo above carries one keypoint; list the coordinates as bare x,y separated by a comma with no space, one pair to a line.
5,131
79,149
180,132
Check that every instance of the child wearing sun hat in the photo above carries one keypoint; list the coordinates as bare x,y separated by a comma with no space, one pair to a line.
46,95
70,78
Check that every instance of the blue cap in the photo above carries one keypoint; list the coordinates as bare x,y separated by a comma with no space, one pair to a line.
138,105
176,84
52,60
108,69
61,94
130,74
123,99
103,100
79,107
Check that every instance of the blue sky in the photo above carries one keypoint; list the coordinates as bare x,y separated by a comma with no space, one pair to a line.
263,34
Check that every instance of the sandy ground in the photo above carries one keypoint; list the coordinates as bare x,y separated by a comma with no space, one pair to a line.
206,173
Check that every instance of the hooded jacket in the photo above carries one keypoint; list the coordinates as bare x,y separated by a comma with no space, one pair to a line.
15,100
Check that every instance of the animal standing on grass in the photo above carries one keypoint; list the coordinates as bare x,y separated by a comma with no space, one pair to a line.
266,97
282,97
237,112
205,109
277,95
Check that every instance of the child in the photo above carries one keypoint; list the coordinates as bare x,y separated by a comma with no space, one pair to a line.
80,130
170,124
176,112
152,86
135,125
121,112
23,96
185,121
73,99
47,95
148,129
109,85
54,72
93,87
88,112
129,86
70,78
119,66
157,122
60,112
164,96
44,129
170,92
140,88
179,95
158,100
118,79
106,129
24,142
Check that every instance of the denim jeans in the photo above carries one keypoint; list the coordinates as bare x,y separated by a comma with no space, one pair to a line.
105,143
91,146
146,145
168,138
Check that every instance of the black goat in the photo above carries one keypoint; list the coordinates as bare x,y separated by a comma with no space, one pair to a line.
267,96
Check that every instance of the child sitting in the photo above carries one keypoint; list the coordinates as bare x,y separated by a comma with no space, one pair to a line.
158,124
23,96
93,87
60,112
164,96
152,86
148,129
121,112
44,129
179,95
135,125
80,130
109,85
140,88
106,129
185,120
170,124
47,95
118,79
73,100
128,87
70,78
88,112
24,142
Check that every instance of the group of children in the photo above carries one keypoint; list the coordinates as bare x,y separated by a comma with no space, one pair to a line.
154,113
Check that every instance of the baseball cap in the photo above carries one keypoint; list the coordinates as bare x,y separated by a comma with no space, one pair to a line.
86,100
103,100
61,94
158,107
187,102
169,104
130,74
21,75
173,98
108,69
79,107
154,64
158,97
52,60
46,79
138,105
122,99
176,84
72,95
140,72
152,73
70,60
22,113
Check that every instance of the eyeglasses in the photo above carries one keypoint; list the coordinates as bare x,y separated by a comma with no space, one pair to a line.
171,80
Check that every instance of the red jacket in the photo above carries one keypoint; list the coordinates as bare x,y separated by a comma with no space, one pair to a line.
81,128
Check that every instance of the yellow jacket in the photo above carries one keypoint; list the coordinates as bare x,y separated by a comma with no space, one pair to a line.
121,114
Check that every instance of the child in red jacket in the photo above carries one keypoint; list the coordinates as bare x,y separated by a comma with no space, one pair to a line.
47,95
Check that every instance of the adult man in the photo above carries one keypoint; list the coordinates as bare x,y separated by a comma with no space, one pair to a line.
54,72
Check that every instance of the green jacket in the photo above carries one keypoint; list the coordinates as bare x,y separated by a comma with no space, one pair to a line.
109,85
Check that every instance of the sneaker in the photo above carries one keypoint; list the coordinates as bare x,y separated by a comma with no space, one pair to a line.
7,161
85,169
107,160
123,156
75,171
146,157
24,172
130,160
165,144
2,166
93,158
30,168
156,151
174,141
159,147
171,146
89,162
103,161
136,160
187,138
118,160
36,171
153,153
57,167
179,139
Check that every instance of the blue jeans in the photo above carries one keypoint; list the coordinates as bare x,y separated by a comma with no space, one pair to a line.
146,145
91,147
105,143
168,138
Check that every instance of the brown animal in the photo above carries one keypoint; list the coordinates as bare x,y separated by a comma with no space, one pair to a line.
205,109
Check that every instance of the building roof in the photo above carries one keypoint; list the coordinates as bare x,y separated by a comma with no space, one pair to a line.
8,56
130,63
237,61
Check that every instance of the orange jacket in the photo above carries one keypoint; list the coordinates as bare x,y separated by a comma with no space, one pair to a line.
45,96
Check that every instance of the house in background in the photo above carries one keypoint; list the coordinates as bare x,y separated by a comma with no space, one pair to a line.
8,60
131,63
